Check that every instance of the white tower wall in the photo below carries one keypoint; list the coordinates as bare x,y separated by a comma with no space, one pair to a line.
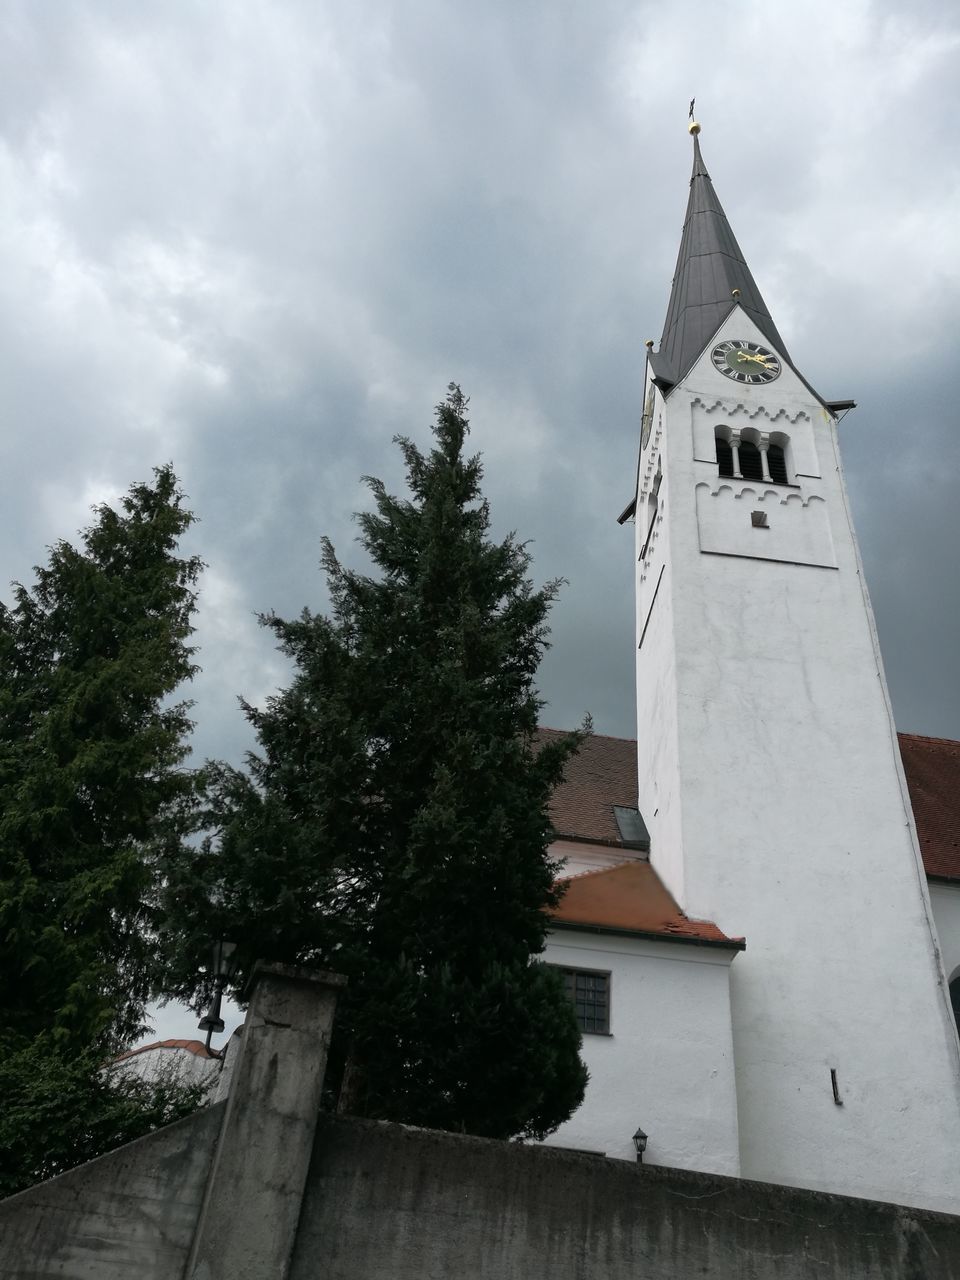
771,783
657,698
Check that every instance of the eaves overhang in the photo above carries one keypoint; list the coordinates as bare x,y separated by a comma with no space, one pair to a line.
835,408
650,935
574,838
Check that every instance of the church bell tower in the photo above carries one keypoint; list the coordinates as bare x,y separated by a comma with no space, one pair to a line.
769,771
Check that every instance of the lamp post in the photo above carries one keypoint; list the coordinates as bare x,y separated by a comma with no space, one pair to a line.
222,970
640,1142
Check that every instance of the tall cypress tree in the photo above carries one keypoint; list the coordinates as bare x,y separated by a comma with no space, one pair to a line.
394,824
93,798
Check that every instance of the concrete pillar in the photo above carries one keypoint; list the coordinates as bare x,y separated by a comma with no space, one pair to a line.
251,1206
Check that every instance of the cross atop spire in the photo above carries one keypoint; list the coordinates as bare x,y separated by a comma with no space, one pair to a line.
710,267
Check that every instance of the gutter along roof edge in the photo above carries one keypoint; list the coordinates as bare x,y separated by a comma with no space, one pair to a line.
649,935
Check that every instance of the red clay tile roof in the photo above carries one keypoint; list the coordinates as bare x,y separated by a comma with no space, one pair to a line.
191,1046
604,774
631,898
932,766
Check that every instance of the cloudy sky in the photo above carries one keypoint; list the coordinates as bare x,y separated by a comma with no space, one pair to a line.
258,240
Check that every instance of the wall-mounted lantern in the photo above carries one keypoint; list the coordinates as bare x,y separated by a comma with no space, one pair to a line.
640,1142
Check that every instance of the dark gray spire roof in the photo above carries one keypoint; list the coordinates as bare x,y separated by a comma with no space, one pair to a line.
709,267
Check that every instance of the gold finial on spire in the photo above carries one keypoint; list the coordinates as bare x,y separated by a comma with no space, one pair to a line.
692,127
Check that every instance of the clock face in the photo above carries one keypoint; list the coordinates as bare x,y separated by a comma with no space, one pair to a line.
647,419
745,361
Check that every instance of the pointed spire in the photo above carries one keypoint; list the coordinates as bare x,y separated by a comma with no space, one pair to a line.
710,267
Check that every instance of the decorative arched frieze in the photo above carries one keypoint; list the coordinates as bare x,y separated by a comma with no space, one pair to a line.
763,522
731,408
755,495
762,494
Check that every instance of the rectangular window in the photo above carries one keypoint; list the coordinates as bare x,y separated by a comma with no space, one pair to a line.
590,993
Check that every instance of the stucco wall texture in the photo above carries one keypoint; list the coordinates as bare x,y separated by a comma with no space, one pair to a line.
677,1084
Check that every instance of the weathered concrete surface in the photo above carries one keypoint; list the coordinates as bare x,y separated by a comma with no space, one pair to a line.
262,1188
387,1203
131,1213
252,1202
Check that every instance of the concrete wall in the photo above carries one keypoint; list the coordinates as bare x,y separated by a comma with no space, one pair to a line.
131,1213
387,1203
262,1186
794,823
217,1195
667,1065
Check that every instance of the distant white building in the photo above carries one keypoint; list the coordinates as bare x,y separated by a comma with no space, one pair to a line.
187,1061
760,967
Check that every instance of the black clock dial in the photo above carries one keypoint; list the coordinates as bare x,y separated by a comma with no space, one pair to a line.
745,361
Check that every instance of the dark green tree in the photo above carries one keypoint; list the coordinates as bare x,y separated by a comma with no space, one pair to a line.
62,1108
394,824
93,798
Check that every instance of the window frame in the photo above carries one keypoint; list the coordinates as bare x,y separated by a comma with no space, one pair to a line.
781,463
719,441
749,450
748,441
574,971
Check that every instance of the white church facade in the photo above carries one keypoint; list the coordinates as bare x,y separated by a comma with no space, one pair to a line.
761,928
759,943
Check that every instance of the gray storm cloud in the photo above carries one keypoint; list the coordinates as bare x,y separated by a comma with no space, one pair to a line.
259,240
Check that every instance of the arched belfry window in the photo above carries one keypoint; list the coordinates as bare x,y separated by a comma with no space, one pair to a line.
724,457
777,463
751,466
752,455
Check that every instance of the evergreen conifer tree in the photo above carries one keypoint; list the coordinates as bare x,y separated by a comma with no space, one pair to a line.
394,824
93,798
